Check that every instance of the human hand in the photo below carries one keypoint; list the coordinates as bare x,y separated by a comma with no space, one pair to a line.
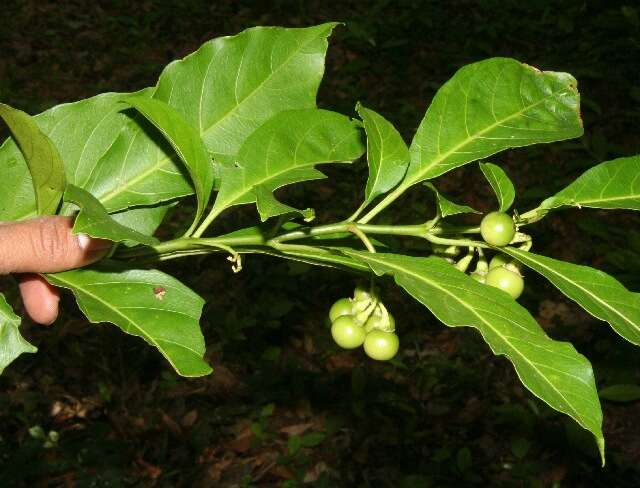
44,245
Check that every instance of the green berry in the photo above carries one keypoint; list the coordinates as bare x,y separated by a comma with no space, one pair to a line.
344,306
506,280
497,228
347,333
381,345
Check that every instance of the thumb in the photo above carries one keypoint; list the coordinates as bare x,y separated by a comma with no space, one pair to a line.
46,245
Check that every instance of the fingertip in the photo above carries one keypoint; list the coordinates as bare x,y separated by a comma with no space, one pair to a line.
47,245
40,299
92,245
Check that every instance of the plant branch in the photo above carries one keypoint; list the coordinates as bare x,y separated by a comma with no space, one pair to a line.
456,242
192,245
353,217
384,203
207,221
406,230
353,228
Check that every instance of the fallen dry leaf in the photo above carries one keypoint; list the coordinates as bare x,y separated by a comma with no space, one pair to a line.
298,429
189,419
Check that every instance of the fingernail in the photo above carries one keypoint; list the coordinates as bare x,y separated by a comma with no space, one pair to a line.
87,243
83,241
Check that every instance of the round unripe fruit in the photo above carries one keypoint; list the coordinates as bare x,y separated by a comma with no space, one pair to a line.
506,280
347,333
497,228
340,308
498,260
381,345
504,261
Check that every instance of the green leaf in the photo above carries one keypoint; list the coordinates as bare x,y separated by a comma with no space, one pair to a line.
294,443
186,142
94,220
601,295
312,439
553,371
143,303
12,344
282,151
490,106
231,85
501,184
387,154
143,219
139,168
42,158
447,207
613,185
620,393
520,447
226,89
81,146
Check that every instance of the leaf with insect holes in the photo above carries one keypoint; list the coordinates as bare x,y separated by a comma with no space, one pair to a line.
286,150
144,303
501,184
553,371
12,344
41,156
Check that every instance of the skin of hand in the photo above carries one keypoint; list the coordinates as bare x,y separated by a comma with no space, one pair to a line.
44,245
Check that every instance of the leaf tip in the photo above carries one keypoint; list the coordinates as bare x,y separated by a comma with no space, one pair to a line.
600,443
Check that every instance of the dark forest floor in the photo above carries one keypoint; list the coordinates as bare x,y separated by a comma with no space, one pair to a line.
285,407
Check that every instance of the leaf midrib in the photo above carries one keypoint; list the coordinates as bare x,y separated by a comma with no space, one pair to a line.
378,163
73,285
162,162
633,196
587,292
471,309
443,156
496,184
229,201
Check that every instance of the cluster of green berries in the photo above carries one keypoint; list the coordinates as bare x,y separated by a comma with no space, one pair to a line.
364,321
498,229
